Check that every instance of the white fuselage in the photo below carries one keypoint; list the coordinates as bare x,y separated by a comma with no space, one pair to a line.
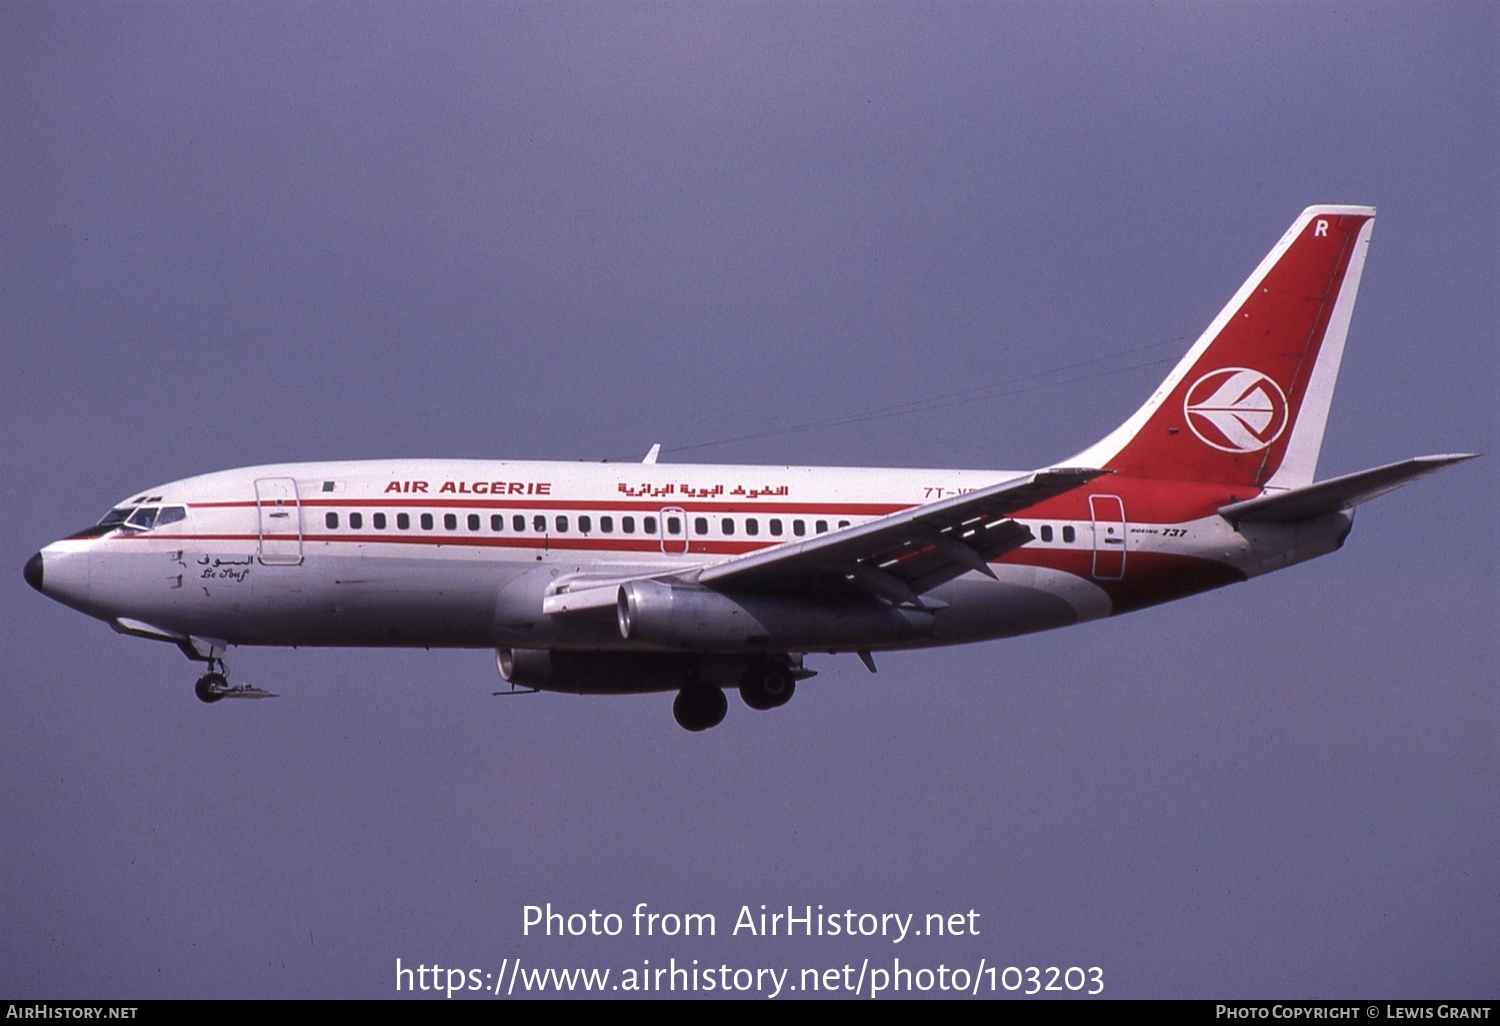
464,553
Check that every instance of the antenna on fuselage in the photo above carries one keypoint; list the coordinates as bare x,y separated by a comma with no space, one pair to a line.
651,456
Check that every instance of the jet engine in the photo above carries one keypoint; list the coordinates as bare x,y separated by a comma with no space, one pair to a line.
709,621
597,673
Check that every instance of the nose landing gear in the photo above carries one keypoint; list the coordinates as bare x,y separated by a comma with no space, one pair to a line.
211,687
214,685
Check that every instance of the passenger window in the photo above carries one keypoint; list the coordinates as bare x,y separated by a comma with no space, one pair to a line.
539,524
170,515
1046,532
752,526
144,518
1069,534
426,521
776,528
674,526
627,524
379,521
473,521
403,521
518,523
607,525
497,521
332,521
799,527
562,525
648,525
821,526
700,525
585,524
727,525
450,521
356,520
843,524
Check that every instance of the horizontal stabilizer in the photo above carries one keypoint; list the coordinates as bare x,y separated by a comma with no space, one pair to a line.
1338,493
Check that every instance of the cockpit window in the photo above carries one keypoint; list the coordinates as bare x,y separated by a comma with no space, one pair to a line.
144,518
134,518
111,523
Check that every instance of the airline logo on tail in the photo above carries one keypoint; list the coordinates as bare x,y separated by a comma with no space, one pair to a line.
1235,409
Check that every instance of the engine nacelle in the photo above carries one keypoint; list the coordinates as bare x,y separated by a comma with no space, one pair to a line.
599,673
709,621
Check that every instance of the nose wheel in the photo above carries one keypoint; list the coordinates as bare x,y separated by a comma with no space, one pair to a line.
211,687
214,685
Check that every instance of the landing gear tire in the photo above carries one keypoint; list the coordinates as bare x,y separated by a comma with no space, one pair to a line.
211,687
699,708
767,688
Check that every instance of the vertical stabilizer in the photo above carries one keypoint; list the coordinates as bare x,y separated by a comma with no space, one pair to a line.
1248,403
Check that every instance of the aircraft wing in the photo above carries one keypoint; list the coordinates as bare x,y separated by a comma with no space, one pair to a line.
899,556
1337,493
905,554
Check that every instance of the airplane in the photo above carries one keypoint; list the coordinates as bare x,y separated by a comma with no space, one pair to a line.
614,578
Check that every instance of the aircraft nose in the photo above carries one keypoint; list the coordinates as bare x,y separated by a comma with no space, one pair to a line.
33,571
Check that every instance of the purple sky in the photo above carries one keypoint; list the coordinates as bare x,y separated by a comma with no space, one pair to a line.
234,234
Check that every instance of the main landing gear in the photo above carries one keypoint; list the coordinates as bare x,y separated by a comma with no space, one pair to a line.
763,685
214,684
767,687
699,707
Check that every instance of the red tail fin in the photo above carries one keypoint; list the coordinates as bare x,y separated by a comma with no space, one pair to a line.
1248,403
